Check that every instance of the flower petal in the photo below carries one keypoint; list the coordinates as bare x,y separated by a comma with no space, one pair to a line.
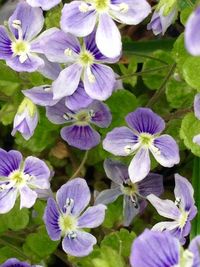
7,200
196,139
102,86
151,184
163,226
197,106
31,19
15,262
108,196
5,44
51,218
80,246
92,217
78,191
139,166
192,33
27,197
161,249
44,4
168,152
101,114
194,248
108,34
137,11
129,210
9,162
67,81
39,172
116,171
72,18
82,137
165,208
50,70
144,120
118,139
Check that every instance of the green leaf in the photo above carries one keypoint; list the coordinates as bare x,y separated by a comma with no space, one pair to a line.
189,128
38,212
52,18
121,241
185,13
153,80
7,113
114,213
191,70
7,253
132,67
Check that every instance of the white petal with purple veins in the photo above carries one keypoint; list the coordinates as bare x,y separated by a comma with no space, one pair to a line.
27,197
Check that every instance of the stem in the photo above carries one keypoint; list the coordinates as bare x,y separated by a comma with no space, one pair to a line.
161,90
177,114
17,250
63,257
190,3
80,166
140,73
149,57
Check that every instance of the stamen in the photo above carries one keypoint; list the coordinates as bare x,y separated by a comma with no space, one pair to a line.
68,52
91,113
135,201
47,88
128,149
23,57
84,7
91,77
67,117
17,25
69,205
123,7
72,235
178,202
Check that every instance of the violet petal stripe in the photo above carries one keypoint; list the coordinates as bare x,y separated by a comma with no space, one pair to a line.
27,197
78,191
9,161
67,81
7,200
72,18
108,34
138,10
82,137
144,120
166,226
118,139
129,210
194,248
165,208
197,106
151,184
161,249
5,44
140,165
80,246
51,218
116,171
15,262
104,80
192,33
101,114
92,217
108,196
32,20
44,4
168,151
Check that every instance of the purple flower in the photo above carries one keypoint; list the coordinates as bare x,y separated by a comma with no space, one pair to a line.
134,193
155,249
192,33
16,263
159,22
67,219
194,248
196,138
143,136
80,134
83,63
22,178
26,119
182,211
44,4
18,45
80,18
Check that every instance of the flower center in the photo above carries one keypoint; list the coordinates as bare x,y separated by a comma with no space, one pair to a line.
21,48
19,178
129,189
146,139
86,58
183,219
68,224
101,5
186,259
84,117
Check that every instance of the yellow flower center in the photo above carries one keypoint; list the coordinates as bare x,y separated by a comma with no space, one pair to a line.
129,189
101,5
146,139
19,178
21,48
67,224
86,58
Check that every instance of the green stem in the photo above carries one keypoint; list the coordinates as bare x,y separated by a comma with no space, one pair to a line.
140,73
161,90
190,3
177,114
63,257
149,57
80,166
17,250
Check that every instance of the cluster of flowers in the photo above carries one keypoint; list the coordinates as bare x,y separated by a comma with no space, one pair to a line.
84,44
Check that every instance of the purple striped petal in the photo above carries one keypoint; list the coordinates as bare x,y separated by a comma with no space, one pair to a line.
129,211
78,191
72,18
5,44
67,81
27,197
144,120
44,4
161,249
92,217
194,248
102,86
101,114
7,200
197,106
51,218
108,196
15,263
118,139
116,171
168,151
82,137
50,70
80,246
9,162
32,21
108,34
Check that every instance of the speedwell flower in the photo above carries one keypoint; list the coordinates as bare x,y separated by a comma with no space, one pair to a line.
44,4
22,178
155,249
16,263
196,138
144,136
80,134
80,18
134,193
67,219
84,62
182,211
